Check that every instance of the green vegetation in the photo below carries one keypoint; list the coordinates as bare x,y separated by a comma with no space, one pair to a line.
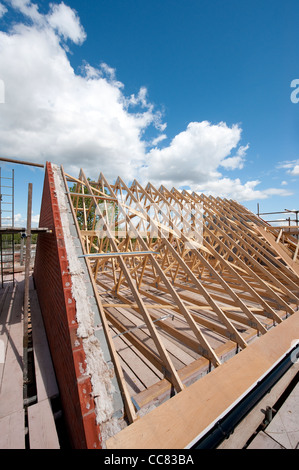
6,238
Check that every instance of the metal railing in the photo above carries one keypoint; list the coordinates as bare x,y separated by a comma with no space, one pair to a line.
287,221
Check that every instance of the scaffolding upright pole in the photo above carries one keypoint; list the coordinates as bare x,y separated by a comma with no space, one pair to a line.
28,249
26,292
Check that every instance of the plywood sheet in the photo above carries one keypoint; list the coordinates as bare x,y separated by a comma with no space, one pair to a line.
11,387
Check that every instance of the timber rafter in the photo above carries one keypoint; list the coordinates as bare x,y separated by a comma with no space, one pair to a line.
179,276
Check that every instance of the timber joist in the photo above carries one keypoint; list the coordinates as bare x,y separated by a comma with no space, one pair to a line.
179,277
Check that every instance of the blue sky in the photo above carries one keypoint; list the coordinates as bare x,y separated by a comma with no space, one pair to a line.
189,93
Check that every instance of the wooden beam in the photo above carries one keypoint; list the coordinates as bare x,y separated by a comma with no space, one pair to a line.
269,237
12,160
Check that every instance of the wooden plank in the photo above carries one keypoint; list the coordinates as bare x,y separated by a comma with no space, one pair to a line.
236,299
280,250
210,397
42,429
180,332
44,372
11,391
296,252
5,310
12,431
139,371
188,374
12,160
138,338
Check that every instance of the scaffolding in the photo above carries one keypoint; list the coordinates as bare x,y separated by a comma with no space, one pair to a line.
7,223
288,224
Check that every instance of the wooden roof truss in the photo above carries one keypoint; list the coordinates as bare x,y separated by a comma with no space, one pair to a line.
180,271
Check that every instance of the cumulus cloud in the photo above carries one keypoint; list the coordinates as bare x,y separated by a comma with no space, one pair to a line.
84,118
195,154
52,113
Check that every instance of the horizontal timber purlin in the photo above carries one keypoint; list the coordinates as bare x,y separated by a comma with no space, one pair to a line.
181,271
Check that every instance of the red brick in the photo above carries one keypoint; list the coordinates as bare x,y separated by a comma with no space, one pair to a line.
54,287
92,432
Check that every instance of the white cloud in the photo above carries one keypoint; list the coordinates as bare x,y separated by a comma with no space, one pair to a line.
18,218
195,154
3,10
236,162
84,119
158,139
292,167
234,189
52,113
61,18
28,9
35,219
295,170
67,23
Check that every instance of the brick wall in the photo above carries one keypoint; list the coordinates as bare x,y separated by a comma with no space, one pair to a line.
54,288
